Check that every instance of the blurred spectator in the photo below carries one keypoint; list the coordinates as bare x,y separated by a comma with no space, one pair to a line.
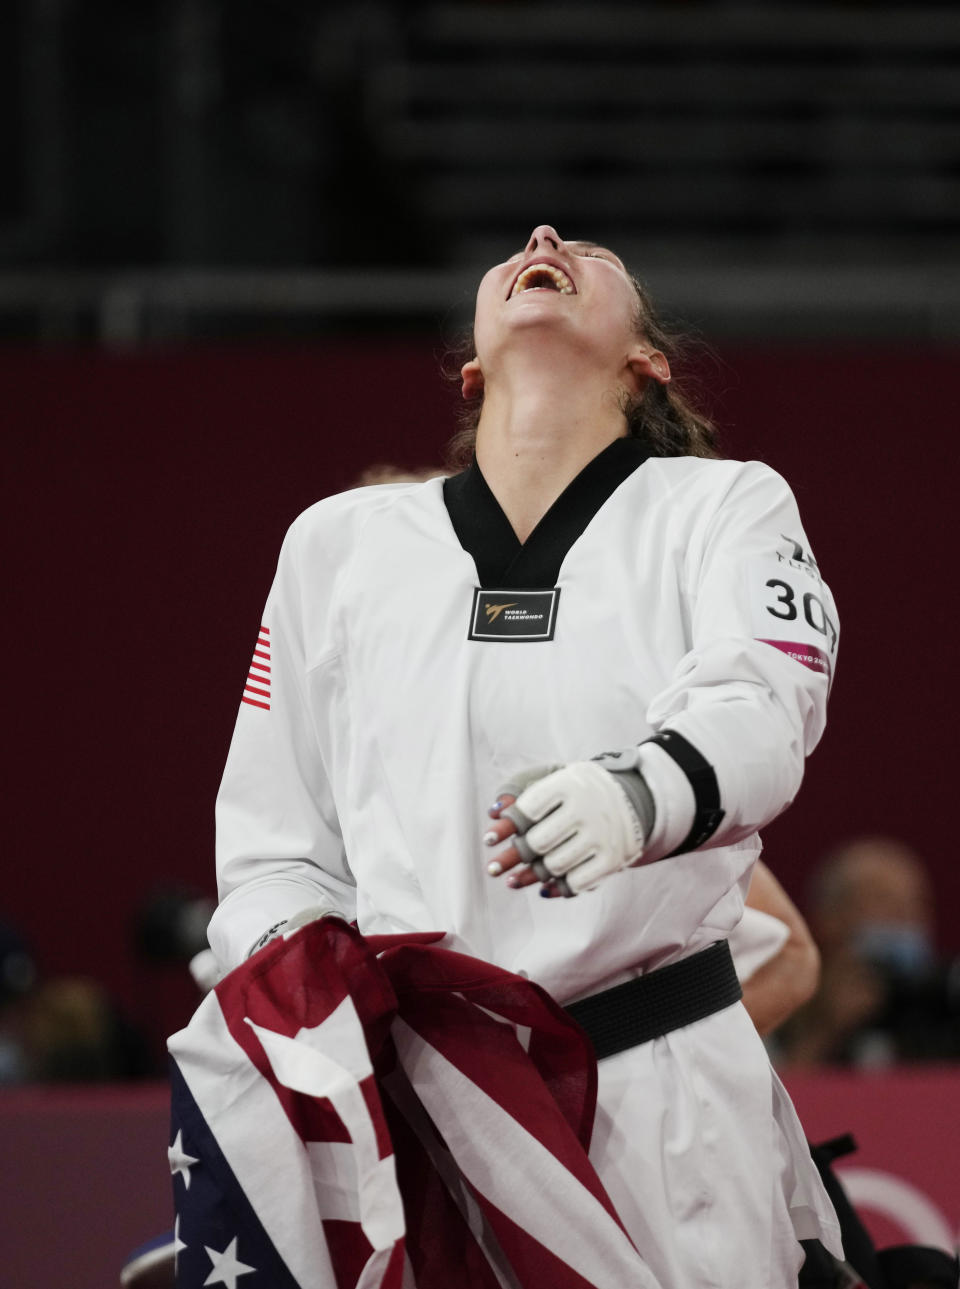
73,1032
66,1029
885,995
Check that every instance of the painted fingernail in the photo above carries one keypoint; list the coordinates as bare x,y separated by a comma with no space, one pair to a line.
513,880
494,869
490,838
496,807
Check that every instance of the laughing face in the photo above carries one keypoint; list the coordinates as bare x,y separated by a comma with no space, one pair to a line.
575,294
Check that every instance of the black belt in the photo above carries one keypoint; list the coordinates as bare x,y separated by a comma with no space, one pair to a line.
663,1000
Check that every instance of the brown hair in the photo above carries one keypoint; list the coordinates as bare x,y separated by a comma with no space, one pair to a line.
663,416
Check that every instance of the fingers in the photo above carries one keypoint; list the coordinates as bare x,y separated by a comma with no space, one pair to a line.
520,861
520,820
510,859
521,877
498,832
504,861
504,799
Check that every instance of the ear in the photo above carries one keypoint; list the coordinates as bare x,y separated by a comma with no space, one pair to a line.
648,364
472,379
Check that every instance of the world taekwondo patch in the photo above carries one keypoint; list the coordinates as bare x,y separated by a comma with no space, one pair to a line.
514,616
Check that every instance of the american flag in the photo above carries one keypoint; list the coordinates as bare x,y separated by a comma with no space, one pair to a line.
387,1114
256,691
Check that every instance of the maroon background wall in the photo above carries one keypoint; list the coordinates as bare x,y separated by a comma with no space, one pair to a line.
151,493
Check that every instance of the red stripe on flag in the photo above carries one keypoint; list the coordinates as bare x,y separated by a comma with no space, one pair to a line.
445,1002
254,690
260,666
265,630
254,703
258,653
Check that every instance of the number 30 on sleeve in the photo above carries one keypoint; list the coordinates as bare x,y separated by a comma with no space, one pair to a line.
812,609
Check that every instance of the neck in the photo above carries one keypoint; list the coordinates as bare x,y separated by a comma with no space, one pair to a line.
531,445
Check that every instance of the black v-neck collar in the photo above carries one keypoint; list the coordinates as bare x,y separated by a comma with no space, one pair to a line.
484,531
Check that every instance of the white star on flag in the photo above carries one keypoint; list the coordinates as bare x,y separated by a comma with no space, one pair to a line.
227,1267
180,1161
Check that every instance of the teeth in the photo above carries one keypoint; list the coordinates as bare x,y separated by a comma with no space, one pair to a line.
533,276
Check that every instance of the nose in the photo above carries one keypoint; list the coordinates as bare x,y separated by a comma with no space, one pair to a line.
544,236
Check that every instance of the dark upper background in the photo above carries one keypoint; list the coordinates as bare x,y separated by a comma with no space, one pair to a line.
234,241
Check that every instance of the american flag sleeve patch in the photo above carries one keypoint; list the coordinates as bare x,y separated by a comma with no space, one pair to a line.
256,691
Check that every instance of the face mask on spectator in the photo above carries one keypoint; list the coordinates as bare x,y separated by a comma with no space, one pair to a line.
902,950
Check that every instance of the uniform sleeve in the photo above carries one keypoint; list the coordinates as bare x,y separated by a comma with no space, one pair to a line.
279,848
747,703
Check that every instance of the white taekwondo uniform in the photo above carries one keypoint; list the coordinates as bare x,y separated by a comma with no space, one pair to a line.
414,655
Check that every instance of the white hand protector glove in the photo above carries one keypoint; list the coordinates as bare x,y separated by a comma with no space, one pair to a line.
579,822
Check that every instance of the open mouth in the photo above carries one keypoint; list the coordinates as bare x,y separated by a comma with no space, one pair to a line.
539,277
